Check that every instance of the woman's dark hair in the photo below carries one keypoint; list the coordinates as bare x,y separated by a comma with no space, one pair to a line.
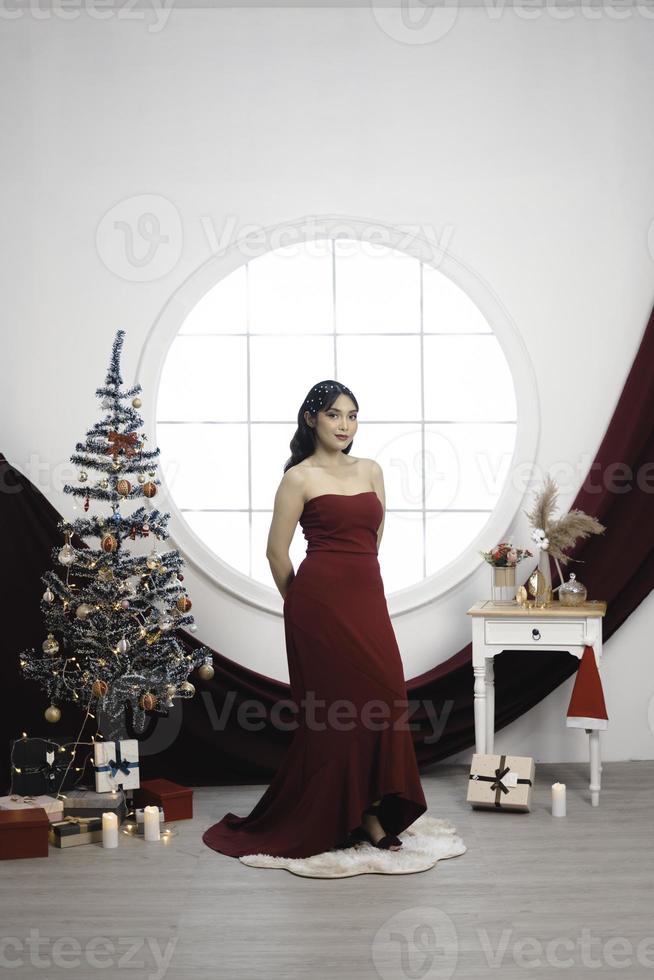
320,398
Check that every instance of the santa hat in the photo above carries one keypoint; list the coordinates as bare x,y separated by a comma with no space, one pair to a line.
587,708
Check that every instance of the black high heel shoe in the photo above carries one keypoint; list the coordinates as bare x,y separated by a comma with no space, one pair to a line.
386,842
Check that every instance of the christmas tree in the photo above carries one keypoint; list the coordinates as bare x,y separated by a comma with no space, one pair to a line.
111,618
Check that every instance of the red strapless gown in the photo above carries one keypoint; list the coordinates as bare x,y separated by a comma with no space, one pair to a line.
350,746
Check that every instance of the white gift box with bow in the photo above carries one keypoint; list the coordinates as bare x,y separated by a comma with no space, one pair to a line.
116,765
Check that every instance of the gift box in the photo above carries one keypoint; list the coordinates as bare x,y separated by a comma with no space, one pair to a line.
502,782
75,830
177,801
53,807
88,803
40,766
23,833
116,764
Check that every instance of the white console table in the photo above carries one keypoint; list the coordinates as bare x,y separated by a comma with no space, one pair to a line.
509,626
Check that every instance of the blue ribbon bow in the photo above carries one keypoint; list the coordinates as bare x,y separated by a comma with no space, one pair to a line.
117,765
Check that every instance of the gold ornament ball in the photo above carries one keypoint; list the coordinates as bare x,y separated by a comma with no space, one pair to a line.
123,487
116,465
52,714
136,402
83,477
99,688
50,645
104,483
183,603
83,610
206,672
149,489
141,477
171,690
187,688
151,472
109,543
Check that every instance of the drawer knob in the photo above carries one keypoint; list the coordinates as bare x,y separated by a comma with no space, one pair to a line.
535,633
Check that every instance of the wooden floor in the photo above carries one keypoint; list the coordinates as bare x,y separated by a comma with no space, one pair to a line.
533,896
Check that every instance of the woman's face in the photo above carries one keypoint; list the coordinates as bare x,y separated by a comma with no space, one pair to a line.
338,421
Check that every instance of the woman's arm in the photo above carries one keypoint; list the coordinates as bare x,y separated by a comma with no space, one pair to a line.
377,477
288,506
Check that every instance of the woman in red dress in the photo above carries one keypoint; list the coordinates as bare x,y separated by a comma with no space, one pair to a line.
350,772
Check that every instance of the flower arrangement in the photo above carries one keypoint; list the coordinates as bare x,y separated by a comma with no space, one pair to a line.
554,536
504,555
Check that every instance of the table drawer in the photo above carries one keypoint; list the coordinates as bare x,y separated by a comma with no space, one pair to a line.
535,632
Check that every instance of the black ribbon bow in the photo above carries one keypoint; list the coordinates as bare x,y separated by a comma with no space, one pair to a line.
496,780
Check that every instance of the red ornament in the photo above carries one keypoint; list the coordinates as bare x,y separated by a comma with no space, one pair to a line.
121,443
86,502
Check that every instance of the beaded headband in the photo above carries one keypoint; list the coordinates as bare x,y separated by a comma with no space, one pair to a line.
311,402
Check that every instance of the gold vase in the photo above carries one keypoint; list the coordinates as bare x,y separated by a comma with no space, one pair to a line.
540,580
503,583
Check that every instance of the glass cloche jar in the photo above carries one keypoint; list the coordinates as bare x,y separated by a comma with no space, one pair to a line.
572,592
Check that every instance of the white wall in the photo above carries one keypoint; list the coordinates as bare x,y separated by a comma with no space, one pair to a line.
529,137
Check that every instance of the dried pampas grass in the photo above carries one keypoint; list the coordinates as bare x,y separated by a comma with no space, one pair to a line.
563,533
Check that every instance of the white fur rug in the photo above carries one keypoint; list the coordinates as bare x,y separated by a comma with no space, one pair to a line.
425,842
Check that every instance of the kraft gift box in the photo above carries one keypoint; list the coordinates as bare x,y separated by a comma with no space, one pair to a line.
75,830
501,782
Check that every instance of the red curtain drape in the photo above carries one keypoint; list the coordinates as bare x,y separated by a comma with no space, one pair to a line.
204,742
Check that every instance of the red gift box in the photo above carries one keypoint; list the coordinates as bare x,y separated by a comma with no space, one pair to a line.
24,833
176,800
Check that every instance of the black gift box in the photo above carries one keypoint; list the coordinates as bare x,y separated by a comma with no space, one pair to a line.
33,774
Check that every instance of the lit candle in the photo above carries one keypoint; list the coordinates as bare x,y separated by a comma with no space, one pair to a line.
558,799
151,830
109,829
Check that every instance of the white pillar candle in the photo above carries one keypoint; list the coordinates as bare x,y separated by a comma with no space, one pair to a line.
109,829
558,799
151,830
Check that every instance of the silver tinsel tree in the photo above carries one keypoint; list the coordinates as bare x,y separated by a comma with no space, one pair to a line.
111,614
